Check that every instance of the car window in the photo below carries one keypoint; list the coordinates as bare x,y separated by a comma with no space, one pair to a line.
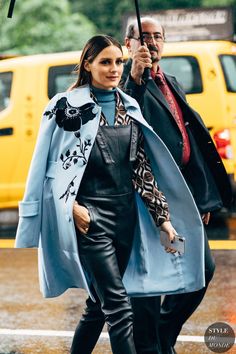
228,63
186,70
60,78
5,89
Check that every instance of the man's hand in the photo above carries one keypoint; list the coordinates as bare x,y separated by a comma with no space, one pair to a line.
81,217
168,228
140,60
206,218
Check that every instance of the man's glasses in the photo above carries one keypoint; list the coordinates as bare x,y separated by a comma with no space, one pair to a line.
148,37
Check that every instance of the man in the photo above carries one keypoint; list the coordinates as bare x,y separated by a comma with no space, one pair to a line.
164,106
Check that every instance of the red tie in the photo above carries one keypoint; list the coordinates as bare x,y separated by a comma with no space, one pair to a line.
161,83
168,96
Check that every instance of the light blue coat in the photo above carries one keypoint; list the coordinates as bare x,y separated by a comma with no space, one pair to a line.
46,219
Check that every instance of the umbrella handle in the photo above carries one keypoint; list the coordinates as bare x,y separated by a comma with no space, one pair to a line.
147,75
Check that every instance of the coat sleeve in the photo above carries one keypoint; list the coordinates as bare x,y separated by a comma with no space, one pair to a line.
30,215
145,184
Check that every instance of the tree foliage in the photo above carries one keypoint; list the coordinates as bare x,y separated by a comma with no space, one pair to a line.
41,26
218,3
108,15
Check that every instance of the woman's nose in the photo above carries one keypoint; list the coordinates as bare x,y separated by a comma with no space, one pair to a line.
114,67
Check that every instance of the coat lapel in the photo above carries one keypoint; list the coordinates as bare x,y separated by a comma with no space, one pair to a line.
79,96
156,92
174,88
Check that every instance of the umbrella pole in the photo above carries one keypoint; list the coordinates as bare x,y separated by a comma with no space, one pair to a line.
11,8
147,72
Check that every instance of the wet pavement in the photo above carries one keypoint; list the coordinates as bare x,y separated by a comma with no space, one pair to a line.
22,307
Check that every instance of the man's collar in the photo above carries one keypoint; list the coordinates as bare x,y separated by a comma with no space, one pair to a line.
159,73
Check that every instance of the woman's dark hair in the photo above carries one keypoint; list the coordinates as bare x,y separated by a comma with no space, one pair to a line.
91,50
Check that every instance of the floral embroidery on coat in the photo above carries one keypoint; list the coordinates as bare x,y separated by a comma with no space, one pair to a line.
76,156
70,191
71,118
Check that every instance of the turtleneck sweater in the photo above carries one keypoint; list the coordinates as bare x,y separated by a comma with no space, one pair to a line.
107,100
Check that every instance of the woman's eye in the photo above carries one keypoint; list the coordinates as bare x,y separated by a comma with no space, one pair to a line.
105,61
120,61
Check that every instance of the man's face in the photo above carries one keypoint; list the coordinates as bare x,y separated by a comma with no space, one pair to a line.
153,37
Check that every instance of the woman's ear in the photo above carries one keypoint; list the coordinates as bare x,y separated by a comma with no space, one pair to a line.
87,65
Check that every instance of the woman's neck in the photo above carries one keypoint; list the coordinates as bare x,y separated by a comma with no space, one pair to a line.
107,100
103,94
99,89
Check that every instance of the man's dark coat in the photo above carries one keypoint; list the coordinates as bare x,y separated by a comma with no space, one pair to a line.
205,173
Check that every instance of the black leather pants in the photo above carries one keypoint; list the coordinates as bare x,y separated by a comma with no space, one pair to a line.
104,254
146,337
107,191
89,328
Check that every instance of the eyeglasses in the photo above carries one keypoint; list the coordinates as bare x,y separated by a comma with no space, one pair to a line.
148,37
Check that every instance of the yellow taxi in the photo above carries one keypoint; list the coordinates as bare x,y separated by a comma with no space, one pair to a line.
26,85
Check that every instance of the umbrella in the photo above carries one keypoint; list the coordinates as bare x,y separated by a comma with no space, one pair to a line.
147,73
11,8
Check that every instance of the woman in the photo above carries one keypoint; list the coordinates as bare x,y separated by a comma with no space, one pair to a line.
105,196
90,164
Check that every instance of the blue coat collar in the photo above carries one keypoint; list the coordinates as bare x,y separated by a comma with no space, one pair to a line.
81,95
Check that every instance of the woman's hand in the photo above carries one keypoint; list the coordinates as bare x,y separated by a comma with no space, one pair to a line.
81,217
170,231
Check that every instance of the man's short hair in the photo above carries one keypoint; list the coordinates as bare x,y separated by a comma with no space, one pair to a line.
130,30
133,26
